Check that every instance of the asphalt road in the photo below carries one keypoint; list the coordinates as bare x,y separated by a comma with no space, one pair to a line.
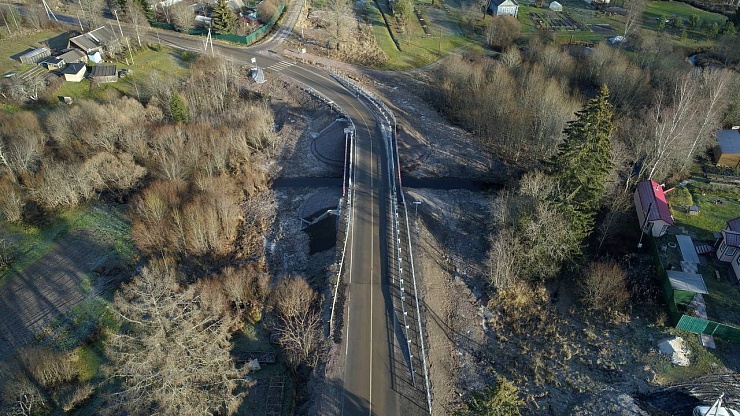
370,367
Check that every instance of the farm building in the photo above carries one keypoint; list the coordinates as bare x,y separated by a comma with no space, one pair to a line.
652,209
103,73
728,249
35,55
556,7
727,151
94,40
503,7
75,72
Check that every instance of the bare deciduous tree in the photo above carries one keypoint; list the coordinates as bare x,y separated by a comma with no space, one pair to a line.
501,31
171,356
299,323
605,287
182,16
633,17
138,19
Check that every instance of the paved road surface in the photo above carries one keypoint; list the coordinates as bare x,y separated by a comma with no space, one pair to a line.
371,371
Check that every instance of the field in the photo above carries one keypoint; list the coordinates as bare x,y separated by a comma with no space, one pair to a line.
54,291
14,46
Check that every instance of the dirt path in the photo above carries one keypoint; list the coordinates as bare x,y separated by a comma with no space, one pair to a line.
31,299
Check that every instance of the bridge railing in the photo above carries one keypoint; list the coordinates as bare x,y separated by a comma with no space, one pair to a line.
347,200
389,135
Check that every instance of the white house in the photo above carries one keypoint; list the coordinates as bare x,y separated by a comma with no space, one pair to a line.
503,7
652,208
729,245
75,72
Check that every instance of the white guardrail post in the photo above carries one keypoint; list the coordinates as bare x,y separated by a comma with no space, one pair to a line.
396,189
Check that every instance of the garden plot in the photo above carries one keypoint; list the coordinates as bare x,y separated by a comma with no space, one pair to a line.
556,21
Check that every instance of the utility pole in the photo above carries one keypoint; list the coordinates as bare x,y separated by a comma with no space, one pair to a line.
82,9
49,13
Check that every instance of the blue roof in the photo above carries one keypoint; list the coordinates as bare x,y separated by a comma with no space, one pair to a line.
74,68
729,141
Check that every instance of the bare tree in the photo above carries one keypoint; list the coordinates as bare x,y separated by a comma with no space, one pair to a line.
182,15
633,18
299,322
501,31
19,394
137,18
171,356
340,12
92,10
503,258
605,287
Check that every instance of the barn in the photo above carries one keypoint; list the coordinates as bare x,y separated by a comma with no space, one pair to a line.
103,73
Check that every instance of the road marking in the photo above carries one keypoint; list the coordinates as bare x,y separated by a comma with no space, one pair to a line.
372,256
280,66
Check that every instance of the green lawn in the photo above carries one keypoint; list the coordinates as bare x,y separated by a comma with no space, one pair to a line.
717,207
655,9
16,45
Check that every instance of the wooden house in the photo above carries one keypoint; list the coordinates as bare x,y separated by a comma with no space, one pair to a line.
103,73
728,245
652,208
727,151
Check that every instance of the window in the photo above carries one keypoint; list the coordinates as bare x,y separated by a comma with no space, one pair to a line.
737,260
730,251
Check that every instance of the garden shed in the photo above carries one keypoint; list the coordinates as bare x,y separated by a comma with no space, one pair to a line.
104,73
727,151
75,72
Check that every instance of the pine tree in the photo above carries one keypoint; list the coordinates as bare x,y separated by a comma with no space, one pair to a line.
178,108
583,161
224,19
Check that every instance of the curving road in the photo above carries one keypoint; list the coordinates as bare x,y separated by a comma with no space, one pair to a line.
375,369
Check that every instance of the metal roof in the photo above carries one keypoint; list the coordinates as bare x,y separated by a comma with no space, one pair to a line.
74,68
72,55
653,198
734,224
687,281
729,141
93,39
103,71
732,238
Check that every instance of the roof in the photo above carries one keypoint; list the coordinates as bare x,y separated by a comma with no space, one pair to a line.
54,60
496,3
729,141
732,238
688,250
74,68
555,4
687,281
93,39
734,224
103,71
72,55
37,51
652,198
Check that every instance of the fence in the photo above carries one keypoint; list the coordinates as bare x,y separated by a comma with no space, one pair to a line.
673,298
245,40
394,173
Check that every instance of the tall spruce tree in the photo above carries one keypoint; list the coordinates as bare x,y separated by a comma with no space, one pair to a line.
224,19
583,161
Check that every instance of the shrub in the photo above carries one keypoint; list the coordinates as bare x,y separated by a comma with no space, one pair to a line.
605,288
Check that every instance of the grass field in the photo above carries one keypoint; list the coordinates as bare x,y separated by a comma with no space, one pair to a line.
717,207
668,9
13,46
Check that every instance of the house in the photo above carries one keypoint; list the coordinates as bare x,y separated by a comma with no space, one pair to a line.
72,56
556,7
729,245
652,208
727,151
503,7
54,62
93,41
75,72
35,55
104,73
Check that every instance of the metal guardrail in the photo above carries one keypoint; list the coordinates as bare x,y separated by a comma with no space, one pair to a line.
349,197
389,135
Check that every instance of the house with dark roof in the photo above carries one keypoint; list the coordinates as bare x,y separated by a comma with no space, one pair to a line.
503,7
728,249
93,41
727,151
75,72
652,208
103,73
54,62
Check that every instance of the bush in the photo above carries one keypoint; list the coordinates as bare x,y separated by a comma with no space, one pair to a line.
605,288
501,399
680,197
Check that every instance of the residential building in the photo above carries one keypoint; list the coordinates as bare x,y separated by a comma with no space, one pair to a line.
103,73
503,7
728,249
75,72
652,208
727,151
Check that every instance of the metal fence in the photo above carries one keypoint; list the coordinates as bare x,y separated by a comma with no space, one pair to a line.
408,290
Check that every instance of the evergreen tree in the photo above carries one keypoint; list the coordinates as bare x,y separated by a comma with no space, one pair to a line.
178,108
224,19
583,161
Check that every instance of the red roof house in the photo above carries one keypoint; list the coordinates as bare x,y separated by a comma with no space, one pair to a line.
652,208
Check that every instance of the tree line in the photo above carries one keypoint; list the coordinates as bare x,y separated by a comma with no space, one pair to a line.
191,162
